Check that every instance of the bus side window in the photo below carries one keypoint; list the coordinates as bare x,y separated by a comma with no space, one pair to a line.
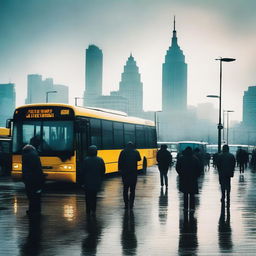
129,133
96,132
147,136
107,134
140,137
118,134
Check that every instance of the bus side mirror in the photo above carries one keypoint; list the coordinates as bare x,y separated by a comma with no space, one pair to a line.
9,123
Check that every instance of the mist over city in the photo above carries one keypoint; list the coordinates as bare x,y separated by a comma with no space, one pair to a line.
49,38
127,127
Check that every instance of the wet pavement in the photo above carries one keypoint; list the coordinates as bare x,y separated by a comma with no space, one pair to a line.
156,226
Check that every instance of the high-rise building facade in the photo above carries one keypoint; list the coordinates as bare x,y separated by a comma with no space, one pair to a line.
131,87
249,107
93,75
35,89
174,78
40,91
7,102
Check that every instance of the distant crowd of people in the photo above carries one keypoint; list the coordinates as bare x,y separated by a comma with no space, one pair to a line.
190,165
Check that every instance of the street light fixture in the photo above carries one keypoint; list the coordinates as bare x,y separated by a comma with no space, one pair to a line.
220,126
47,93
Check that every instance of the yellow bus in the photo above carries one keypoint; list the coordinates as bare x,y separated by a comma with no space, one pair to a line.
62,134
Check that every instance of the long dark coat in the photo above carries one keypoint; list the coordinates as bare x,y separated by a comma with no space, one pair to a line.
127,164
188,168
94,170
32,173
164,159
226,163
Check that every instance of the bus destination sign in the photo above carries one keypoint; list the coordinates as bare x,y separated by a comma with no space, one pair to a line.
40,113
52,112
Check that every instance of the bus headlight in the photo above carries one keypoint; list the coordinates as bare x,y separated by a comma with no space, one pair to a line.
16,166
67,167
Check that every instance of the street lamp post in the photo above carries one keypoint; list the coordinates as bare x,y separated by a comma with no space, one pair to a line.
220,126
220,94
47,93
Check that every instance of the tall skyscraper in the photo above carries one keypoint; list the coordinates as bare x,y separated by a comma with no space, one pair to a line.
93,75
174,78
7,102
37,89
131,87
249,107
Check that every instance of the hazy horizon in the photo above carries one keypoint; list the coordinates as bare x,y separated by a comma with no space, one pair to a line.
50,37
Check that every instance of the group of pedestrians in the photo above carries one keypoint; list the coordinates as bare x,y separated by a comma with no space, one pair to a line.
190,165
93,170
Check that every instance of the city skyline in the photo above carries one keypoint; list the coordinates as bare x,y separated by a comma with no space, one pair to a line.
54,47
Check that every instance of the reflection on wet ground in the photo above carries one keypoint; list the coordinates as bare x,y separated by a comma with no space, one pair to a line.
157,225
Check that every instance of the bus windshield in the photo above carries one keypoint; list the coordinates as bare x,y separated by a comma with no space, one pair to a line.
48,137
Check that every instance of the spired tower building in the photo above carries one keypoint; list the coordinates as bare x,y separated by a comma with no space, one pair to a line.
93,75
173,121
174,78
131,87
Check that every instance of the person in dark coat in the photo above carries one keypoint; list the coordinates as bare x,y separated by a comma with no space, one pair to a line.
242,159
127,165
189,169
93,170
164,159
33,178
226,165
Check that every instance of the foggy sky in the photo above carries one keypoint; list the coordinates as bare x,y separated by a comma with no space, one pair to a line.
49,37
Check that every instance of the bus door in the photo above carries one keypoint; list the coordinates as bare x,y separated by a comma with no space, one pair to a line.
82,143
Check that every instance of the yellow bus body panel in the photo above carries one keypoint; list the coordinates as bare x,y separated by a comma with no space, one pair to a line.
52,165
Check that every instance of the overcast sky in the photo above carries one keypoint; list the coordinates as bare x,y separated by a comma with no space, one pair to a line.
49,37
